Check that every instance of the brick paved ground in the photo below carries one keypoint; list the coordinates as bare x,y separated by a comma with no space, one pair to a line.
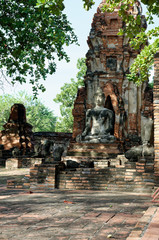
152,231
69,215
147,227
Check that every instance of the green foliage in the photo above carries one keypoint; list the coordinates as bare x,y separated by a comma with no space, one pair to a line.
88,4
67,97
31,36
151,84
34,32
56,6
38,115
139,70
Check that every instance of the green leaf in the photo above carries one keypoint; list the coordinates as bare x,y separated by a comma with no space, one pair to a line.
32,33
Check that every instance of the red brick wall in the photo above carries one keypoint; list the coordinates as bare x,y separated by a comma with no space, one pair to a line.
108,60
156,114
131,177
79,113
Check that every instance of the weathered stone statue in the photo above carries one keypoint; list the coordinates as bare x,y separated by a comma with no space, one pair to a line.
99,122
57,152
48,149
146,130
44,148
146,149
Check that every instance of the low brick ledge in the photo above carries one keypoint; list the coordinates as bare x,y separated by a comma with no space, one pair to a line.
138,232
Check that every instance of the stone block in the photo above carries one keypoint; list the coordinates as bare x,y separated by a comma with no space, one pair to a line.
13,163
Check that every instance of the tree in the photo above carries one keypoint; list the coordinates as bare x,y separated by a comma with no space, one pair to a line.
135,31
59,4
31,36
67,97
34,32
38,115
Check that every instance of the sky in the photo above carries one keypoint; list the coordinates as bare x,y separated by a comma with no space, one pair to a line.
81,22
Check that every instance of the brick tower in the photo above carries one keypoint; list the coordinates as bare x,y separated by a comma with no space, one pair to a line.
108,61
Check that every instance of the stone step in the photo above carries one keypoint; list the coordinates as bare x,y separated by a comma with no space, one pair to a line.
94,153
133,190
89,146
106,150
83,158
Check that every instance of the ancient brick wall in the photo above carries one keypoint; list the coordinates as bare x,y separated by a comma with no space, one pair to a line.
41,177
17,132
79,113
131,177
156,115
21,162
108,61
57,137
135,177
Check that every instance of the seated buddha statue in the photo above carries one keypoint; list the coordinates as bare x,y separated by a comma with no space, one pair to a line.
99,122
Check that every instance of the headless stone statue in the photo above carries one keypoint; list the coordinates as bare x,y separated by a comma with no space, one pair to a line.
147,148
99,122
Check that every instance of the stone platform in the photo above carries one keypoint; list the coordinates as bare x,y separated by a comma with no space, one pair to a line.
95,149
100,154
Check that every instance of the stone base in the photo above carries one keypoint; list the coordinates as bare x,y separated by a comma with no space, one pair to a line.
104,139
16,135
14,163
118,162
94,152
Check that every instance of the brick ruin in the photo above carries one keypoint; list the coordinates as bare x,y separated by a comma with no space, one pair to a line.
17,132
124,158
20,147
156,116
108,61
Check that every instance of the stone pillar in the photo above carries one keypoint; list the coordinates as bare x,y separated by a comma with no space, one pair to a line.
156,115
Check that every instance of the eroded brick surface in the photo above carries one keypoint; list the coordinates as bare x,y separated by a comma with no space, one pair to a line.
17,132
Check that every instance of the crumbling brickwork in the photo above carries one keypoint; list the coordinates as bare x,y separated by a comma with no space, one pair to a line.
110,164
130,177
156,114
17,132
108,61
79,113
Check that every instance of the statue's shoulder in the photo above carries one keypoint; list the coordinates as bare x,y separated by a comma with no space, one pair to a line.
107,111
89,111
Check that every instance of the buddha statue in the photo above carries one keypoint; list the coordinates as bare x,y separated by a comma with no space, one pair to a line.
99,122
